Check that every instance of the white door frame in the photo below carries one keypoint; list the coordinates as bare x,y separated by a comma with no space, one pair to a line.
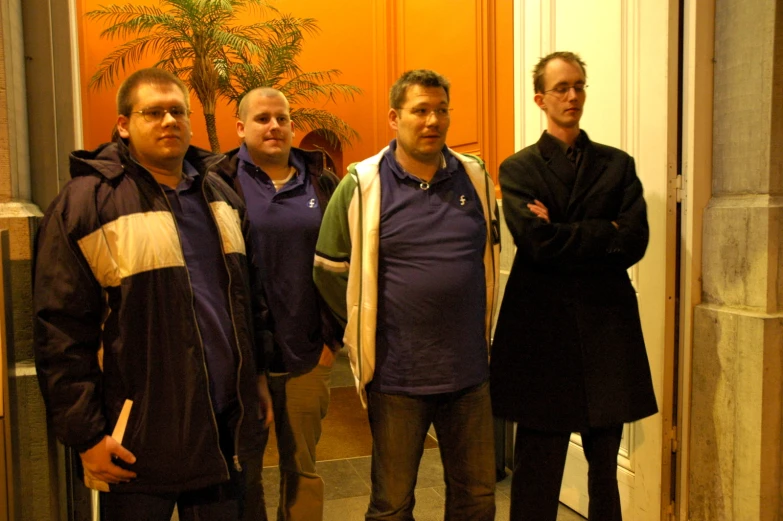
696,171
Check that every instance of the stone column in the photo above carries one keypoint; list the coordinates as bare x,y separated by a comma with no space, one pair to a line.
34,465
738,329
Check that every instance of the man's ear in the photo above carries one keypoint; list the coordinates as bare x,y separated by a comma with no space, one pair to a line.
293,134
393,119
539,99
122,126
241,129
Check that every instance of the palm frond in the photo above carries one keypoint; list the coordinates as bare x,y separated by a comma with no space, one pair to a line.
201,42
321,120
122,57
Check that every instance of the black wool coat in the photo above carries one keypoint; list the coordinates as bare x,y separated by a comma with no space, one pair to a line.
568,351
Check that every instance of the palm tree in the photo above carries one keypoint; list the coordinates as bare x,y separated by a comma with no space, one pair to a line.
199,41
278,67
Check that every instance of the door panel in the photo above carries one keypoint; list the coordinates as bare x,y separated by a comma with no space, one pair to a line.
630,49
421,33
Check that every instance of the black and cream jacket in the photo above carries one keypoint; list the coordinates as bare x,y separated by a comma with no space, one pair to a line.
115,322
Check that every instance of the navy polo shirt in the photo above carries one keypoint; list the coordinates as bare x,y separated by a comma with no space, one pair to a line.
285,224
203,253
431,285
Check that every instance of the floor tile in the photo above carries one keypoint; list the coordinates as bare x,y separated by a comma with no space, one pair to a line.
346,509
503,488
341,480
502,507
270,477
430,470
341,371
362,468
566,514
429,505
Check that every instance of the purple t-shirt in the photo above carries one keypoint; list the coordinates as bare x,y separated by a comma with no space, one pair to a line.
431,285
209,280
285,225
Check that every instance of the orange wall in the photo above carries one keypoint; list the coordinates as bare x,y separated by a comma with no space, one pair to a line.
371,42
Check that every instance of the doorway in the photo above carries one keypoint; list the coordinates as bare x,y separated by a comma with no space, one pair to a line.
631,49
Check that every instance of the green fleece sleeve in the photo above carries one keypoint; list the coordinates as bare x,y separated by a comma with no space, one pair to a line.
333,250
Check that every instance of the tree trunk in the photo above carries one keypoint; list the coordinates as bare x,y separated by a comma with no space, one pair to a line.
212,133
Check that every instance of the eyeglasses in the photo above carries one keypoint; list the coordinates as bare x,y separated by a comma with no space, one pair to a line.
562,91
155,114
424,113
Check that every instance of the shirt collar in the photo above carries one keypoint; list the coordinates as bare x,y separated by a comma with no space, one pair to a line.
190,177
293,159
448,164
565,146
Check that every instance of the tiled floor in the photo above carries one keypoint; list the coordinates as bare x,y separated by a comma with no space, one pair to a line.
347,481
347,490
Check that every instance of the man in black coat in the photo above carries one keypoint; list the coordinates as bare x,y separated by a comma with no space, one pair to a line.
568,354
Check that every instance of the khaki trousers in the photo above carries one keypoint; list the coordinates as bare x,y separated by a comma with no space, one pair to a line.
300,403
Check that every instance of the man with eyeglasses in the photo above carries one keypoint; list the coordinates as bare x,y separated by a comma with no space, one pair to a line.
568,353
150,321
407,257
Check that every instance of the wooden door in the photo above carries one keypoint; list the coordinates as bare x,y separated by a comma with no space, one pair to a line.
630,48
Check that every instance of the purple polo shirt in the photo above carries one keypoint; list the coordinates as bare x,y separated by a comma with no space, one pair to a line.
203,253
431,285
285,225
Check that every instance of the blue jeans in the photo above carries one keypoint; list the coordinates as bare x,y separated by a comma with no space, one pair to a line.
463,425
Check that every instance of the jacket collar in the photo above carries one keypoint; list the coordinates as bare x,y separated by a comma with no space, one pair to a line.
556,160
591,167
110,160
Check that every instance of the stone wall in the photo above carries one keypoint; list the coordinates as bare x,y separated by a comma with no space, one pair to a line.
738,329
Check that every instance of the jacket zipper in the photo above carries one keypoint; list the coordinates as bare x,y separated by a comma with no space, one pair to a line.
193,309
491,244
361,283
237,465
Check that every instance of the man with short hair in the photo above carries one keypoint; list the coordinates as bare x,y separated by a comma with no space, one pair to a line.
568,353
407,256
286,190
148,337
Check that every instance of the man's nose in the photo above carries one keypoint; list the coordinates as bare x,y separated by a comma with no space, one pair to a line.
168,119
431,119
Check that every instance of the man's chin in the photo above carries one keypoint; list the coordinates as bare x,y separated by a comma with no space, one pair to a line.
172,154
427,154
432,146
273,150
569,122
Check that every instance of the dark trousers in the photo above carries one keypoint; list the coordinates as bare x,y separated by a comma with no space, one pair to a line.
228,501
463,424
539,460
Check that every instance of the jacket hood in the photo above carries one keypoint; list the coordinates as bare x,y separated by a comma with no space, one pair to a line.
108,160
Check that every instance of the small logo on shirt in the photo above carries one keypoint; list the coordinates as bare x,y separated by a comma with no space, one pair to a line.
311,203
462,200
